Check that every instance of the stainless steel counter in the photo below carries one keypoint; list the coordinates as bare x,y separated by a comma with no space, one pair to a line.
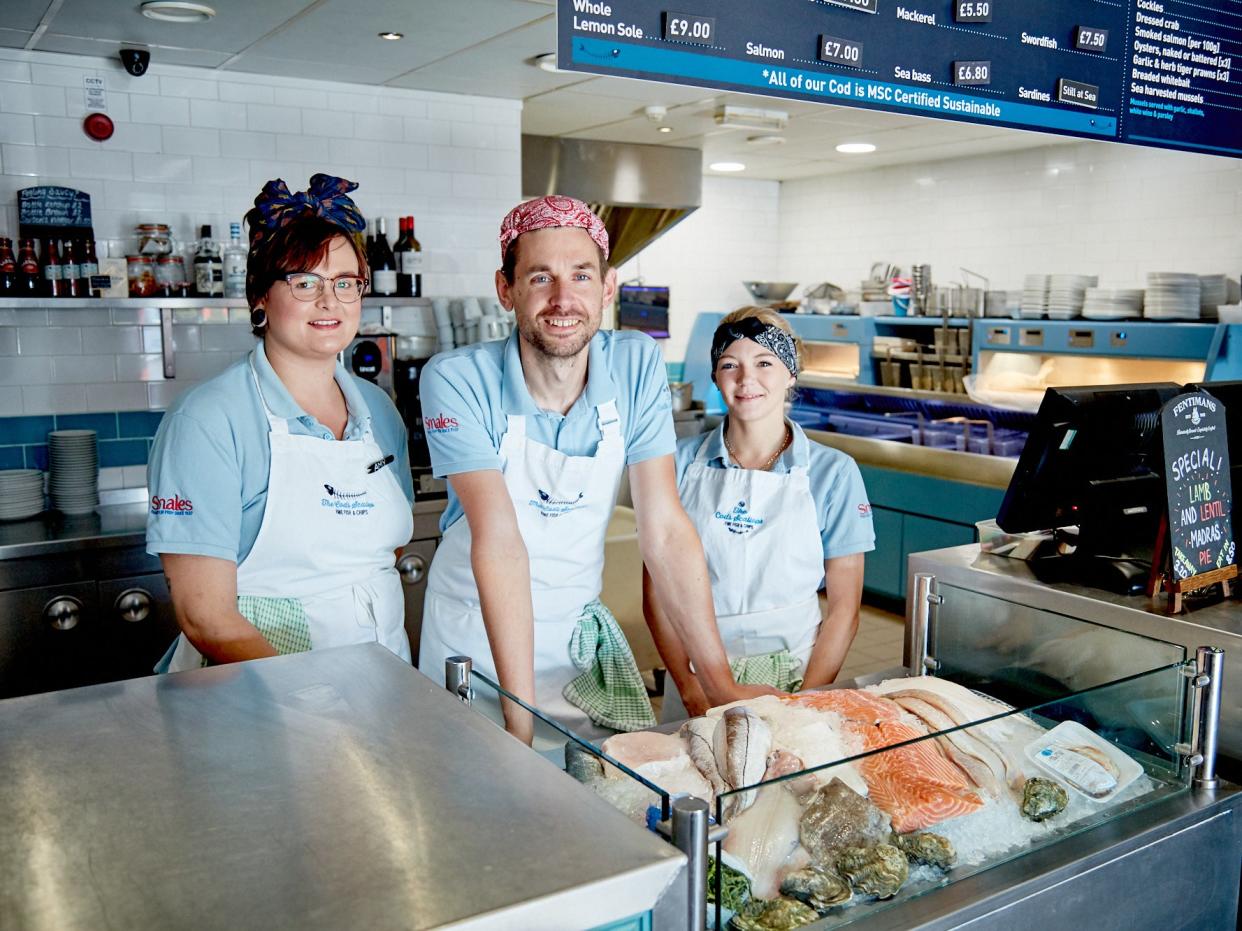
991,471
1218,625
331,789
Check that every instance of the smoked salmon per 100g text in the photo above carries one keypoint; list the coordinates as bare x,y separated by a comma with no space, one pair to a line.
917,785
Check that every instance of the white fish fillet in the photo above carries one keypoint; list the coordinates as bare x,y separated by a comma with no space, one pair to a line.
741,743
698,734
765,839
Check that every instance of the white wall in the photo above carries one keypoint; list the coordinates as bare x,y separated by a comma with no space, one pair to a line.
194,146
1092,208
705,258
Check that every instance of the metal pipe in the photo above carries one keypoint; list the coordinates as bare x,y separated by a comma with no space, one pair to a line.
1210,664
919,623
457,677
690,837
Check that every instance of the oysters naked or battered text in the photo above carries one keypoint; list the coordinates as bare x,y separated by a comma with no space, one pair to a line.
926,847
817,888
773,915
837,817
878,870
1042,798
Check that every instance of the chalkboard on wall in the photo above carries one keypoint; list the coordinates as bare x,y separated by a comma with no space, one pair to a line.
1196,469
51,212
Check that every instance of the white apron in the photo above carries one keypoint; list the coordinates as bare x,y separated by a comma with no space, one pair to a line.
563,504
330,528
765,557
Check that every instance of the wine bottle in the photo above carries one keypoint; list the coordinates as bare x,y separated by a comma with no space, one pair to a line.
405,281
414,260
384,267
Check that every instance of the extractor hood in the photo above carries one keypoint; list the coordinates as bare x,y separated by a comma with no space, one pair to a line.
639,191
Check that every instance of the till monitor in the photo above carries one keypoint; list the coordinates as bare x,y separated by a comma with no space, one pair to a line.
644,307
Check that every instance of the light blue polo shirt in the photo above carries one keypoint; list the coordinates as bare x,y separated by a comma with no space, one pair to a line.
841,504
211,453
468,392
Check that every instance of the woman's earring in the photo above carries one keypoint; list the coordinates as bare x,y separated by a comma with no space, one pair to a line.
258,318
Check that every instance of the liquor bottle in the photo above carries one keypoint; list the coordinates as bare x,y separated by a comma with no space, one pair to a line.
370,246
53,270
405,281
414,259
234,264
90,268
8,269
71,271
208,271
29,281
383,267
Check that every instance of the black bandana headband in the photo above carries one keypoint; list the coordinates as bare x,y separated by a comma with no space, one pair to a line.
771,338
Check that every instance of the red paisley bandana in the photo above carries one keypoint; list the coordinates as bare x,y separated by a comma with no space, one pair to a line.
545,212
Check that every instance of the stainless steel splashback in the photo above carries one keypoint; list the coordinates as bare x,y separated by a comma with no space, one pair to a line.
639,191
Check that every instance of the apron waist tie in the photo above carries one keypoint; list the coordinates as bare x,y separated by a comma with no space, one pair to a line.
610,689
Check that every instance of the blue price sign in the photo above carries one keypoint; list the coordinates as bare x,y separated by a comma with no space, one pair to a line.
684,27
972,73
1090,39
972,11
840,51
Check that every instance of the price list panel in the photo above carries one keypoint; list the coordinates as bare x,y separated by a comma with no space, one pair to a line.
1150,72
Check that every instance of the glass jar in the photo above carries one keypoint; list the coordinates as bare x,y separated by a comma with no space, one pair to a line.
170,277
142,281
153,239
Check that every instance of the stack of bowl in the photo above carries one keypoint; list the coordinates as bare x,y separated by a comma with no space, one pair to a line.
21,493
73,460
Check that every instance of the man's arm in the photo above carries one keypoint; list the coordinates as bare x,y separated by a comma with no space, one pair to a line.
676,662
843,583
204,596
673,555
502,572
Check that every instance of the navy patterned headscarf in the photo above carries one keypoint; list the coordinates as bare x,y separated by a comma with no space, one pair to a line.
771,338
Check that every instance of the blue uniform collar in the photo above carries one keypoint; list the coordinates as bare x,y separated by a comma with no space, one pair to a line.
515,396
282,405
798,453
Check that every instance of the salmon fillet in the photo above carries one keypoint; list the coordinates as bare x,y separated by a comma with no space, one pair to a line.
917,785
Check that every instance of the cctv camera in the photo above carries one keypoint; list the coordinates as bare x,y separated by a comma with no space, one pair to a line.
136,60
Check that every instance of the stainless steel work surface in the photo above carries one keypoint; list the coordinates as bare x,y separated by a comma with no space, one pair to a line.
53,532
333,789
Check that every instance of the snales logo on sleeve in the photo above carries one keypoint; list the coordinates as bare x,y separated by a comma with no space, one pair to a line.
175,506
440,423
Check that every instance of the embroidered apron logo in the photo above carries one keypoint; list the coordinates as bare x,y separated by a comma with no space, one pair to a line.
346,503
549,506
175,506
739,519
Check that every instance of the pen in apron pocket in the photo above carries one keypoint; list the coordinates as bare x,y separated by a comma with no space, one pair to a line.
380,463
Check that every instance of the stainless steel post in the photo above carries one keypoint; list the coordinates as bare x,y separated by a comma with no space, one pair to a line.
1210,665
457,677
920,623
690,837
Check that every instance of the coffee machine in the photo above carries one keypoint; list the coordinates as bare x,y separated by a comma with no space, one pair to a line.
406,375
371,356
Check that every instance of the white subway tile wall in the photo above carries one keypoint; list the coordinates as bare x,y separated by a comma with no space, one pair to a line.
191,147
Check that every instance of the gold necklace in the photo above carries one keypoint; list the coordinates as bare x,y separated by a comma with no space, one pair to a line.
776,455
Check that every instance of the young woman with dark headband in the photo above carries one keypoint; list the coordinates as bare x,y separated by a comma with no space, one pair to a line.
281,488
779,517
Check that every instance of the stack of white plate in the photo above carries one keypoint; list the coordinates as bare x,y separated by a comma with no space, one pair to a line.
1216,291
73,464
1066,294
21,493
1113,303
1172,296
1034,302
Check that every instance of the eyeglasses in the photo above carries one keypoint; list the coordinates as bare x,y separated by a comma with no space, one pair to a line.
306,286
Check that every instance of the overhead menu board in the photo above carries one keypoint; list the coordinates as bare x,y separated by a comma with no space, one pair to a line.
1149,72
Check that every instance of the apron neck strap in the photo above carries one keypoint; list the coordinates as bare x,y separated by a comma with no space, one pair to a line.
608,419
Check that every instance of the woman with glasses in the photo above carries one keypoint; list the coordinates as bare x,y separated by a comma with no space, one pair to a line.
280,489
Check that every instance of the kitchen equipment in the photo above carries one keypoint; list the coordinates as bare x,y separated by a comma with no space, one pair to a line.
920,290
682,393
370,356
823,298
407,372
769,292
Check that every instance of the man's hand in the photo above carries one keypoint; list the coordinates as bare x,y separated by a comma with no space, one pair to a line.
741,692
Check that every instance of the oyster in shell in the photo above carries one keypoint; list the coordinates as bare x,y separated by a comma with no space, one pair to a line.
1042,798
583,765
773,915
819,889
926,847
878,870
837,817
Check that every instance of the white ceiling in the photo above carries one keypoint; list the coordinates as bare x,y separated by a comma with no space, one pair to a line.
486,47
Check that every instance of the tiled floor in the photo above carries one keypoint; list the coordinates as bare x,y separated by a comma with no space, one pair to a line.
878,644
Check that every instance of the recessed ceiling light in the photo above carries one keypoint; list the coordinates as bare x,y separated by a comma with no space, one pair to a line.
665,129
766,139
855,148
726,166
176,11
392,36
546,61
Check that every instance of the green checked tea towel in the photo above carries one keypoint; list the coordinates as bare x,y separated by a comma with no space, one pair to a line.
610,689
778,670
281,621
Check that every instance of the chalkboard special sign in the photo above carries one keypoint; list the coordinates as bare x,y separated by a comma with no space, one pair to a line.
1196,462
53,212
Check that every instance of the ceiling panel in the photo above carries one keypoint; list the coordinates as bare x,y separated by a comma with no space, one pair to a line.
107,48
14,38
24,15
237,23
351,70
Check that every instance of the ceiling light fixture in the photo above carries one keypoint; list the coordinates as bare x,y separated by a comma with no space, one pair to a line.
751,118
855,148
665,129
546,62
726,166
765,139
392,36
176,11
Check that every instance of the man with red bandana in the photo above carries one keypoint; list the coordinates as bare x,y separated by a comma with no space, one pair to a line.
533,434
